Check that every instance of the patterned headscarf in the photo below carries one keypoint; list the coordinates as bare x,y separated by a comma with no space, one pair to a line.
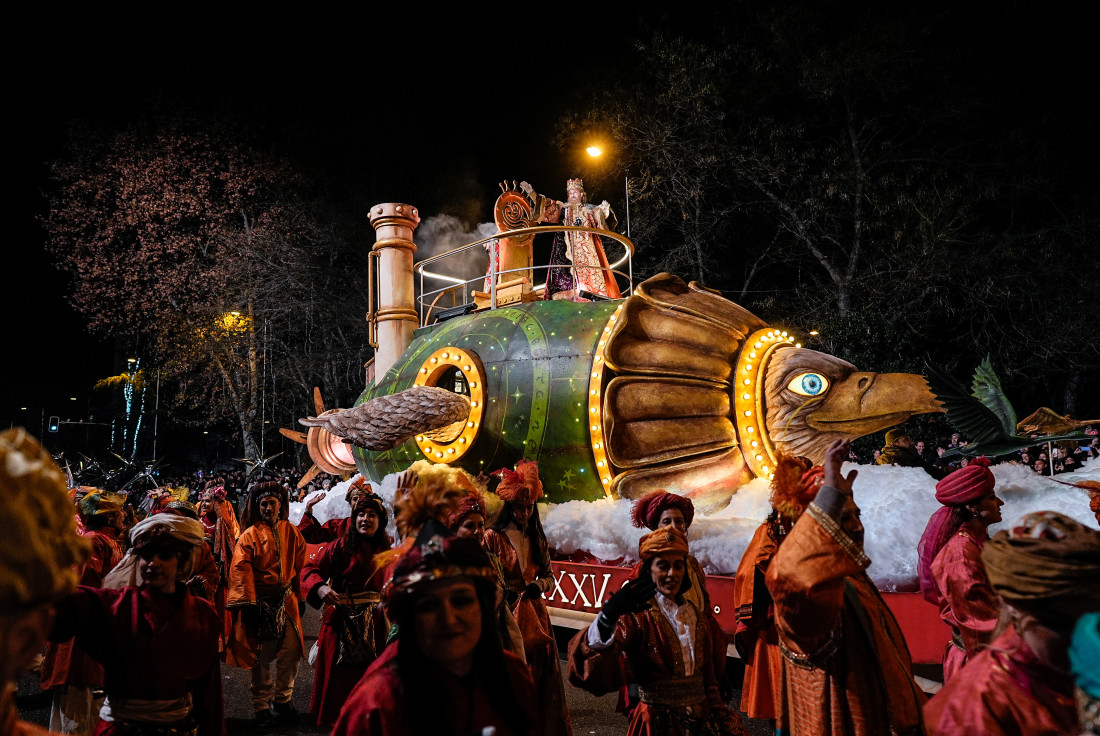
1044,558
669,539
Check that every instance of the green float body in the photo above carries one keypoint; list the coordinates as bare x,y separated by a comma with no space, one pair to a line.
538,361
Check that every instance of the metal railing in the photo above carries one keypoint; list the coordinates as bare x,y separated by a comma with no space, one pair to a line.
434,296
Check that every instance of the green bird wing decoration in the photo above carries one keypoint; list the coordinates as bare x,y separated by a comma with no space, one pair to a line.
966,413
987,389
985,416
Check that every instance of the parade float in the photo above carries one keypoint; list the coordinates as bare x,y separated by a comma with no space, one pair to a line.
617,391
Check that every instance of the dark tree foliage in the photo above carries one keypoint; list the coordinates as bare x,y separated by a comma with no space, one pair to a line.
212,261
911,181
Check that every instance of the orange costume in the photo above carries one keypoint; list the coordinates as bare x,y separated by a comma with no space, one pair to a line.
755,637
846,668
266,562
264,595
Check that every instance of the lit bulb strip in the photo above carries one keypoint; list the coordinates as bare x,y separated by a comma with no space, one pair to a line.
594,415
470,366
750,409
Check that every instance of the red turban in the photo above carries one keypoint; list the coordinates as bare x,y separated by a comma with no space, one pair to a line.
971,483
471,503
647,510
669,539
521,485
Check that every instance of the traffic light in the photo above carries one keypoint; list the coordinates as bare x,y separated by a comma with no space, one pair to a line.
55,424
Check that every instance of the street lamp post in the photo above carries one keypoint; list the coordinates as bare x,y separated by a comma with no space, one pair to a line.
596,152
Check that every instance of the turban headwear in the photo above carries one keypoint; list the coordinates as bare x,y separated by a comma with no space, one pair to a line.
97,503
40,550
668,539
178,533
647,510
471,503
359,485
972,483
1043,559
521,485
967,484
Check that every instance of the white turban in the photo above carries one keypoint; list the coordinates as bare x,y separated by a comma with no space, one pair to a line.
180,528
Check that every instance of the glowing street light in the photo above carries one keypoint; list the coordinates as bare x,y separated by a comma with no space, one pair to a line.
594,152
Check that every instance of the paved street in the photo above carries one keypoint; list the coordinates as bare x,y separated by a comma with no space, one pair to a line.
591,715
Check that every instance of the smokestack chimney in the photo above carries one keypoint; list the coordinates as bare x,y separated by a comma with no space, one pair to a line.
396,316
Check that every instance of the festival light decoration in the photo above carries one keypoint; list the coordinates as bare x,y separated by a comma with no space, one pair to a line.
451,443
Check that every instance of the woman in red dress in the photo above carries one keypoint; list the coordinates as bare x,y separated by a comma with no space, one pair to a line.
344,582
446,672
950,569
518,540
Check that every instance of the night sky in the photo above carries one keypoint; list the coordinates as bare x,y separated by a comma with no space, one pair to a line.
435,118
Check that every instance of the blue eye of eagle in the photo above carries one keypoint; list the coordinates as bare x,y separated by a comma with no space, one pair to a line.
809,384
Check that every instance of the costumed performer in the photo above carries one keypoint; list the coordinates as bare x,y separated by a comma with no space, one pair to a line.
468,520
75,677
40,557
314,531
1045,568
220,529
266,603
949,565
667,644
158,644
659,509
446,673
577,259
793,487
344,581
846,668
518,540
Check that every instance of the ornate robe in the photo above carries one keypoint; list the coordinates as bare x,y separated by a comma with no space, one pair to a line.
540,648
579,257
966,601
673,667
350,572
375,707
153,646
756,638
846,668
265,561
1004,689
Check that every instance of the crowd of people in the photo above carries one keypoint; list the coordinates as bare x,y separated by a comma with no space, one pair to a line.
938,458
135,616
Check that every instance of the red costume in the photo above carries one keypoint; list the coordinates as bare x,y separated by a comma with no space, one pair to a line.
374,707
669,654
315,532
755,637
153,647
65,663
349,571
523,567
1005,689
966,601
950,569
